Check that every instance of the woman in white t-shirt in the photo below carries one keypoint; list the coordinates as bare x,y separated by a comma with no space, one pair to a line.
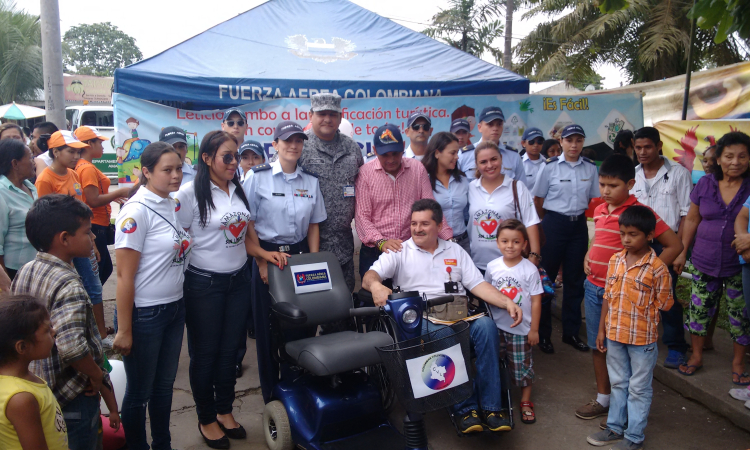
151,249
491,201
214,208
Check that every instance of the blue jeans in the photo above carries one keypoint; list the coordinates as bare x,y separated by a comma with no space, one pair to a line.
367,257
485,341
631,372
594,299
672,320
566,246
83,422
91,282
151,368
216,308
105,263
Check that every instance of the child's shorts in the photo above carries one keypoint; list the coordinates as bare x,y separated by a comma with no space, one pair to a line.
518,354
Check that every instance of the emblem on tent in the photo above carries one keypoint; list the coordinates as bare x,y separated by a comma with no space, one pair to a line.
319,50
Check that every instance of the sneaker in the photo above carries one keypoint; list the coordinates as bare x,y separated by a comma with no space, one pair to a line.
602,438
674,359
627,444
107,342
740,394
470,422
591,410
497,420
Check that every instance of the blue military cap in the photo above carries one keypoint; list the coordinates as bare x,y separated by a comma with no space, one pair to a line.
460,124
572,129
491,113
532,133
252,145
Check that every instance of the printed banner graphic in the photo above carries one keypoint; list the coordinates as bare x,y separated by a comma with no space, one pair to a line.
437,371
311,278
138,122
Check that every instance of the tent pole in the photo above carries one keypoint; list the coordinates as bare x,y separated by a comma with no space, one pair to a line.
54,95
686,96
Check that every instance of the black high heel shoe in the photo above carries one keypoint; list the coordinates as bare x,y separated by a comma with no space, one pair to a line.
233,433
221,443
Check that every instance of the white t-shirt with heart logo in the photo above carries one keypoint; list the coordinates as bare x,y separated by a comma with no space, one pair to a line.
219,246
519,283
488,209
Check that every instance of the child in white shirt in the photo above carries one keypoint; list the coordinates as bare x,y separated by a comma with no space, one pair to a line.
518,278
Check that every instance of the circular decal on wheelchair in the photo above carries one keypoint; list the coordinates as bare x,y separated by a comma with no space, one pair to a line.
301,278
438,372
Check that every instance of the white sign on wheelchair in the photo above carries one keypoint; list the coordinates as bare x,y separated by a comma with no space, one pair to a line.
311,278
437,371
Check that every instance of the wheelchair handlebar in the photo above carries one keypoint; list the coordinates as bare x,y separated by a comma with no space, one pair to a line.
364,311
437,301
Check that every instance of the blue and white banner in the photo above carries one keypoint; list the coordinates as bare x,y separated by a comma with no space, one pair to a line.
138,122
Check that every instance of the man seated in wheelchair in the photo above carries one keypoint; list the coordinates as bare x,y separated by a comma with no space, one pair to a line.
435,267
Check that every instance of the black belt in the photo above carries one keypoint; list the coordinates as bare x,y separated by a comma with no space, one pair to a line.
299,247
568,218
463,236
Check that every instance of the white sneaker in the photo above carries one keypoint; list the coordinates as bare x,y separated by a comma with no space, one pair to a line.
109,340
742,394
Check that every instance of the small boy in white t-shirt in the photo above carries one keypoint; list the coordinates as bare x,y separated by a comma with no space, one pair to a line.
518,278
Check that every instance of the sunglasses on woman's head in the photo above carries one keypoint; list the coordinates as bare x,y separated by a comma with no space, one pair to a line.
229,157
240,123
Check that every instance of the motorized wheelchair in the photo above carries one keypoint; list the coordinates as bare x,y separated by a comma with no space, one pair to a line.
324,399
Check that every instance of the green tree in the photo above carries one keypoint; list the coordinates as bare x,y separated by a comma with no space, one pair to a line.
20,54
647,39
470,26
98,49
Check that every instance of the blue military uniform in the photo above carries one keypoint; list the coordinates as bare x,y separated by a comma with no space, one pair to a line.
283,206
567,189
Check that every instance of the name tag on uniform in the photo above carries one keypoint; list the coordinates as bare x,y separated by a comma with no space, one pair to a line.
348,191
565,181
278,194
585,179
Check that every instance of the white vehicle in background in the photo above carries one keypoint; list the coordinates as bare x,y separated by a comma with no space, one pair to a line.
102,118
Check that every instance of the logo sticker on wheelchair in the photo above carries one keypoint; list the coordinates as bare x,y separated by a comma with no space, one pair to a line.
311,278
438,371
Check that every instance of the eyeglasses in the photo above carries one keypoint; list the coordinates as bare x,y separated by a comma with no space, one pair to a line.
538,141
422,126
240,123
229,157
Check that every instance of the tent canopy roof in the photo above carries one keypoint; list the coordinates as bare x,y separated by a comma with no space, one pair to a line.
310,44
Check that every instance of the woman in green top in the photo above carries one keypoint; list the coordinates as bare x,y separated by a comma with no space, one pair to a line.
17,195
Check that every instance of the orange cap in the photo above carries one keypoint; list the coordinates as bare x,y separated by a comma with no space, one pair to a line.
63,138
87,133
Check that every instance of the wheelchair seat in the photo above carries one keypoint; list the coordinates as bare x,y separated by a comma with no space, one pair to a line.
328,354
338,352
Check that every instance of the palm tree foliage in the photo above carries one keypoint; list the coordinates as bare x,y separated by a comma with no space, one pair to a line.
648,40
470,26
20,54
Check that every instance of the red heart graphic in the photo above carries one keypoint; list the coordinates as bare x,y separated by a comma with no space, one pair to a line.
488,225
511,293
236,228
183,246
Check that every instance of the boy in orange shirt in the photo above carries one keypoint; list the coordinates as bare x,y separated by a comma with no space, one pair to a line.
638,286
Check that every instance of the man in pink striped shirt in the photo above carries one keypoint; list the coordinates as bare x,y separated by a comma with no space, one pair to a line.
386,188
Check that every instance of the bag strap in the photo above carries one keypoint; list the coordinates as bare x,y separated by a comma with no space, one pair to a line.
516,206
152,209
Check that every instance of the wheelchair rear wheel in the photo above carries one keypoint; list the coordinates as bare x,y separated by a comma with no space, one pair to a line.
377,372
276,427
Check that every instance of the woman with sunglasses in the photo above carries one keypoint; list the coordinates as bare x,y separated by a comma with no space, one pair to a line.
286,206
214,210
532,141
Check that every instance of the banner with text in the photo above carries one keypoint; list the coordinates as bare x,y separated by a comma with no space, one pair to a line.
138,122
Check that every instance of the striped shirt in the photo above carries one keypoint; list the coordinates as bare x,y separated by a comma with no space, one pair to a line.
668,194
635,295
383,209
607,240
58,284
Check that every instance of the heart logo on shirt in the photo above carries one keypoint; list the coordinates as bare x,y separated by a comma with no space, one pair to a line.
511,292
488,226
236,228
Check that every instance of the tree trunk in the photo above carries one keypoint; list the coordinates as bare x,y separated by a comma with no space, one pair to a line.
507,54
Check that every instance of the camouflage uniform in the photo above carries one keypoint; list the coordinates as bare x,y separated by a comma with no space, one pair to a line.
337,163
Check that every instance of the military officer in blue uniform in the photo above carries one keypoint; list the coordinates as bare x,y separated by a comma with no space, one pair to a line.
532,141
562,192
286,208
491,123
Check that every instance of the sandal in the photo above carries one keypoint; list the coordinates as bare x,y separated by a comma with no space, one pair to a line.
527,417
740,376
687,368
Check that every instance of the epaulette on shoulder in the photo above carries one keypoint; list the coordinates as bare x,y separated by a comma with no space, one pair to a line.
371,154
550,160
310,172
510,149
588,160
260,167
468,148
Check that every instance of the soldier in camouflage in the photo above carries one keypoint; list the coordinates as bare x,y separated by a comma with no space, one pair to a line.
337,159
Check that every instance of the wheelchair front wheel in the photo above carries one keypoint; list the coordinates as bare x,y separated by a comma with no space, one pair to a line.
377,371
276,427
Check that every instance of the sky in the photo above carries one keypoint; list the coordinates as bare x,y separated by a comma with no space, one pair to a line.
157,25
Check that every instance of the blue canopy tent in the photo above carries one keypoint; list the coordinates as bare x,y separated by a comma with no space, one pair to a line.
295,48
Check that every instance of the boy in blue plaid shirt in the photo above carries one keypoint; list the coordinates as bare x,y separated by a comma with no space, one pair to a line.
518,278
